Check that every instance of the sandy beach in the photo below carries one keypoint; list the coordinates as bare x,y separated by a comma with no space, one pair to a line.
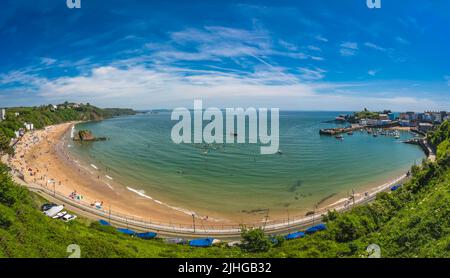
43,159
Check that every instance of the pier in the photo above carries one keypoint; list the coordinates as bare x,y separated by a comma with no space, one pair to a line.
423,143
336,131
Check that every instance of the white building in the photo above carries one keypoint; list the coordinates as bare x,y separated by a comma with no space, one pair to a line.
2,114
29,126
437,117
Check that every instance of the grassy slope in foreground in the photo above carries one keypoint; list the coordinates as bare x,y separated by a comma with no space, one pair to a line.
412,222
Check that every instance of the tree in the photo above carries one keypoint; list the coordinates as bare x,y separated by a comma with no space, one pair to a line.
255,240
4,143
330,216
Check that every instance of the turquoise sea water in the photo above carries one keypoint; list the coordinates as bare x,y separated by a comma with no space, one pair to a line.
234,179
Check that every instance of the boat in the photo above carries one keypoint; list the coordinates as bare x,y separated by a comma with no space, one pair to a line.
316,228
350,133
175,240
147,235
126,231
54,211
234,243
295,235
339,137
104,222
279,152
340,118
201,242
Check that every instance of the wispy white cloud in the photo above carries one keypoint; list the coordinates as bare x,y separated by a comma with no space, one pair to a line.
349,48
374,46
314,48
48,61
402,40
216,42
287,45
321,38
372,72
312,74
163,86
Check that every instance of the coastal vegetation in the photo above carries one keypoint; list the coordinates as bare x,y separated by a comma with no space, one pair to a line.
49,115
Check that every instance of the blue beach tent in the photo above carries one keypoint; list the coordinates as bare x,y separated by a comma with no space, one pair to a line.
316,228
126,231
395,187
201,242
295,235
103,222
147,235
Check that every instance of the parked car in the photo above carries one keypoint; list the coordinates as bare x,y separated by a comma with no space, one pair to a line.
68,217
60,214
45,207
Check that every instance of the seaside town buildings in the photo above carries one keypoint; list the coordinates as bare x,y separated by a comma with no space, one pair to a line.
417,122
422,121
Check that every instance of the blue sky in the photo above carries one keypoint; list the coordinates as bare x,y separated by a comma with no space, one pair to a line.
305,55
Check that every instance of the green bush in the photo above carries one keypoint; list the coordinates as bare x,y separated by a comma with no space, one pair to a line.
255,240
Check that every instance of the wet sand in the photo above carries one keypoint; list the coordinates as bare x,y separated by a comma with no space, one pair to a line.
41,157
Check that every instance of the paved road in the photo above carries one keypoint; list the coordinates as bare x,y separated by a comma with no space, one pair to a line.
187,232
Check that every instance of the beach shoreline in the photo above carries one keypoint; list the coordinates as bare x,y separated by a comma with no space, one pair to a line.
42,158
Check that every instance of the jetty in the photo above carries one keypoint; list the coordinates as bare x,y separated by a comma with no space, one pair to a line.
423,143
339,130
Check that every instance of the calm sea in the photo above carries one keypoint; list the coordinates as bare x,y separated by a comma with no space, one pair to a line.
234,179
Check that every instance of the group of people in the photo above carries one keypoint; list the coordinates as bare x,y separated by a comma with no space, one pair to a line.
75,196
97,205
